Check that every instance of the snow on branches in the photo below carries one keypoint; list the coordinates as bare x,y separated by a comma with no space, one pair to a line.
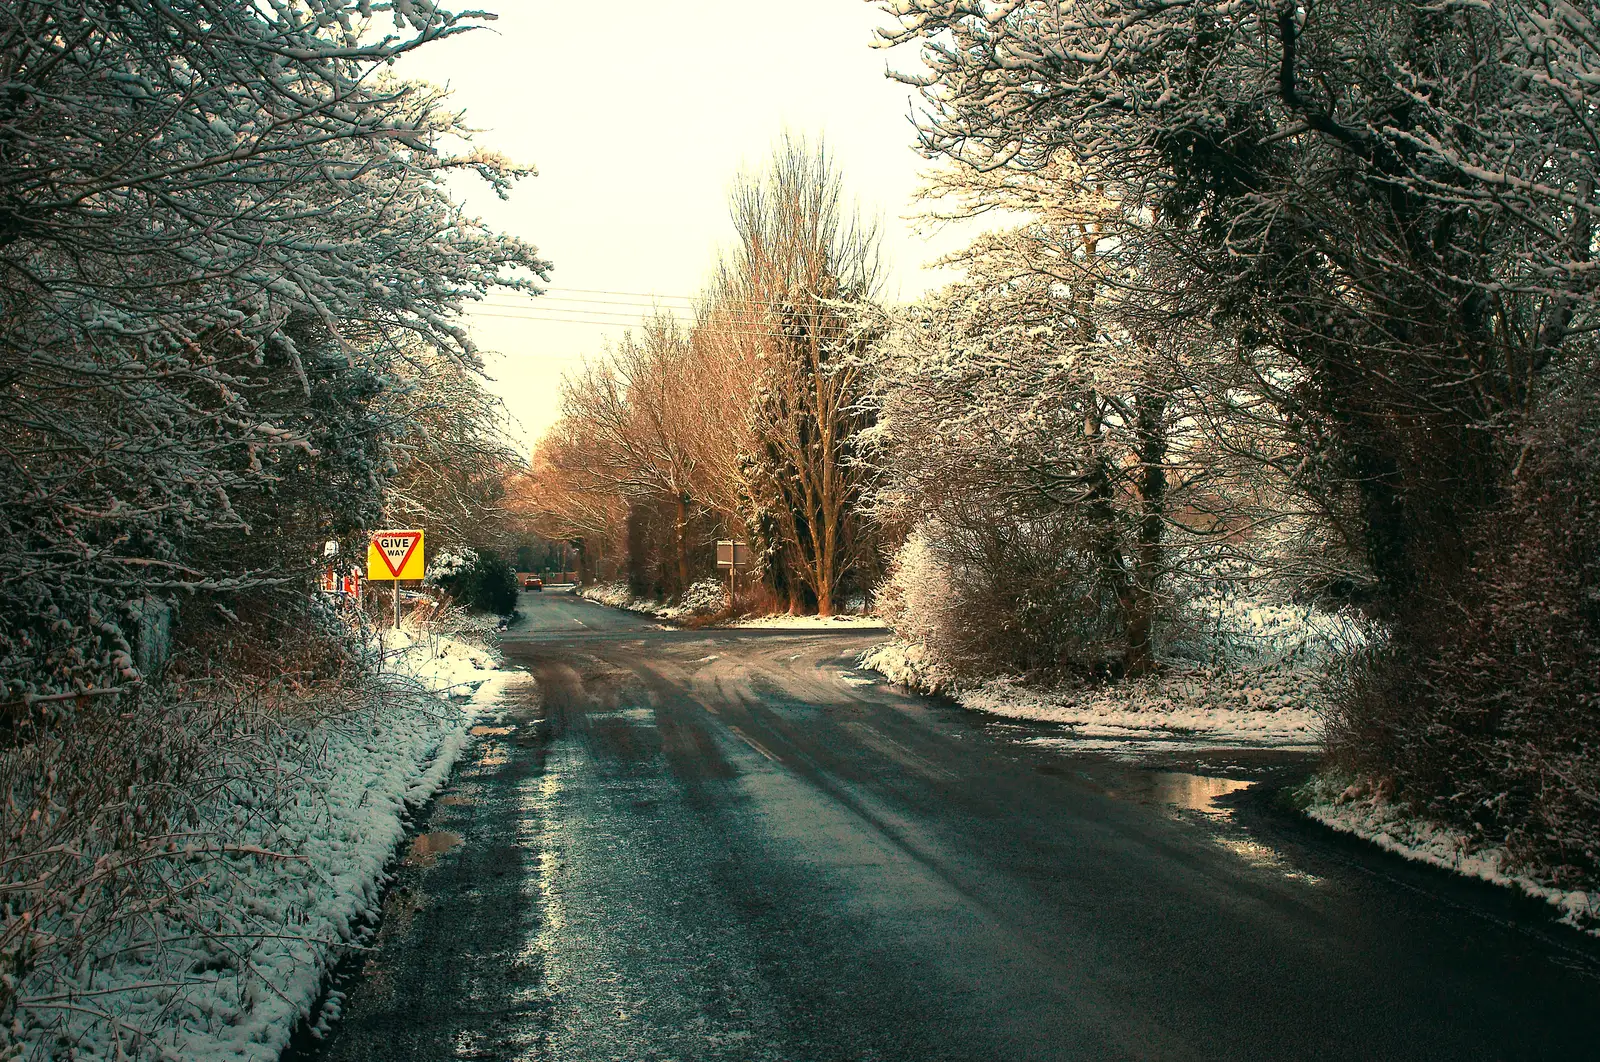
221,226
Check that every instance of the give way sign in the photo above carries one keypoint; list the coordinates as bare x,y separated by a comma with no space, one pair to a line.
395,555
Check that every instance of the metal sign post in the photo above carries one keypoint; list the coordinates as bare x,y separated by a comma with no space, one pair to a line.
733,554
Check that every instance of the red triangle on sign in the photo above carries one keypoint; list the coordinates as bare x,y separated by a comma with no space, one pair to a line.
396,547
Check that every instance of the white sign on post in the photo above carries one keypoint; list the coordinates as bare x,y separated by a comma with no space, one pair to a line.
733,554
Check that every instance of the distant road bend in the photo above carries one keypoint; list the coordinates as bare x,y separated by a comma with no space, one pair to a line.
732,845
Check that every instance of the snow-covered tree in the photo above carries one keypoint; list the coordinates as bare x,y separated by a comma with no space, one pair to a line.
1385,204
1384,210
223,228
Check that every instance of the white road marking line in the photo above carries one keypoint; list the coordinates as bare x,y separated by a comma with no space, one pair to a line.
753,743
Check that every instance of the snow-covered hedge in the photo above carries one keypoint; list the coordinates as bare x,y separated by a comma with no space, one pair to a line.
706,598
617,595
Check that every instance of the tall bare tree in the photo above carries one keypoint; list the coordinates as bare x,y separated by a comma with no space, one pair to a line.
798,284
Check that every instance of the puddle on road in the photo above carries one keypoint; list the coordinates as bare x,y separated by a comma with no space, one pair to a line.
426,847
491,731
1195,792
1178,789
457,801
1187,791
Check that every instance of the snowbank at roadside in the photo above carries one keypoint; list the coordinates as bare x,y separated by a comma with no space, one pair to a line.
301,874
698,602
1357,811
1262,706
617,595
447,666
1237,670
1241,708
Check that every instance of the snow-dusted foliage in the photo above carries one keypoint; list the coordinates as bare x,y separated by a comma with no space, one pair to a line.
705,599
230,277
1357,203
1357,809
1226,625
1383,213
617,595
1056,464
478,579
225,239
448,563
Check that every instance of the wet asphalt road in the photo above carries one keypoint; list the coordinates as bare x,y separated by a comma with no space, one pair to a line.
730,845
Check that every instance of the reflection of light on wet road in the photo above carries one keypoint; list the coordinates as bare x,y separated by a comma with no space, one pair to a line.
1200,792
630,715
1179,789
537,799
1259,855
1194,792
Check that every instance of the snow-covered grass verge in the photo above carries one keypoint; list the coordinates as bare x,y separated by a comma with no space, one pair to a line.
220,933
617,595
1259,706
707,600
1356,810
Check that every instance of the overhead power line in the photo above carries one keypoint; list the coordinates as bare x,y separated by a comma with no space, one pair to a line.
553,295
543,319
541,300
632,294
583,305
618,314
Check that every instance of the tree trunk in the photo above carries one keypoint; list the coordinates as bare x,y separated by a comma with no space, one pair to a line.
1151,436
683,542
585,564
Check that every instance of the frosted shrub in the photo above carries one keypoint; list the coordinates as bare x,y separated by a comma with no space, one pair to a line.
1002,599
131,829
705,598
479,580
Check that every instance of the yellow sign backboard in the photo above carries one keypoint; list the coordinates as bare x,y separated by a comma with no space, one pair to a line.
394,555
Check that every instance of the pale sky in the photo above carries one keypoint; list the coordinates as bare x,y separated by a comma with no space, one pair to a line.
638,115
